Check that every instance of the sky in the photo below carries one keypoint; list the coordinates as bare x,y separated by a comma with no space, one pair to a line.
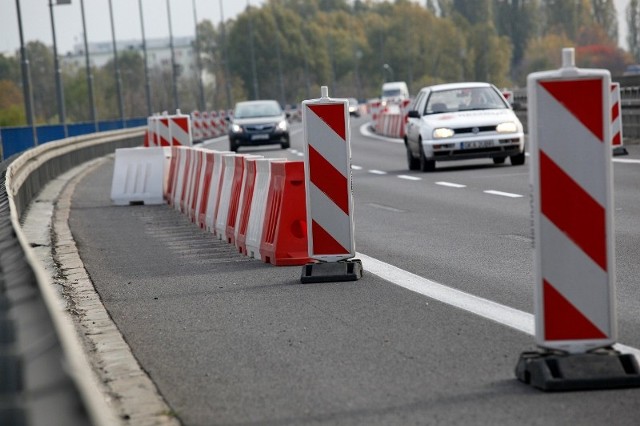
36,22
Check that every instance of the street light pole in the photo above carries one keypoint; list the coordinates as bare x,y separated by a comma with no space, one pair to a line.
26,80
62,116
92,102
118,76
253,55
225,59
147,84
174,66
202,103
388,68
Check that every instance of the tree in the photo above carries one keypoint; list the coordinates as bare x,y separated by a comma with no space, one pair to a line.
517,20
543,53
604,15
633,25
11,110
9,69
474,11
566,16
42,81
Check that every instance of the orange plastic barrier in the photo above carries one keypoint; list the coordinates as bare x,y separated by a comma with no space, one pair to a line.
284,237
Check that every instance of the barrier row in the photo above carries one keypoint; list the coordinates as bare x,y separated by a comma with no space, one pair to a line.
168,130
241,199
206,125
388,119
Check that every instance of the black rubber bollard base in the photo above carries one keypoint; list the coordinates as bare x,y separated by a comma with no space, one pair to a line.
620,150
601,369
325,272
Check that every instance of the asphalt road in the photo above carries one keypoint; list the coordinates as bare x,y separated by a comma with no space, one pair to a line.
231,340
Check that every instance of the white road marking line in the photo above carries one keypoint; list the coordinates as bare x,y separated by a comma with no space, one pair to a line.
391,209
502,314
364,130
451,185
503,194
626,160
377,172
356,167
407,177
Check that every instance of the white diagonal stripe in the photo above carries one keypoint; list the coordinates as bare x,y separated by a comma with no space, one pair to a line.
572,146
326,141
575,275
328,215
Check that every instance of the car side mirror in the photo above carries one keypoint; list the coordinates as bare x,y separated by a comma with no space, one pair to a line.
413,114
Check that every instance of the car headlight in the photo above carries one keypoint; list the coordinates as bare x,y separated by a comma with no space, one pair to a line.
236,128
442,133
282,126
508,127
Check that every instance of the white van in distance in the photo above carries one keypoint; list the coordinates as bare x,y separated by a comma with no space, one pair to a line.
394,91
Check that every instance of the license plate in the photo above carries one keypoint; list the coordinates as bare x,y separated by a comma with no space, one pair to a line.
259,137
476,144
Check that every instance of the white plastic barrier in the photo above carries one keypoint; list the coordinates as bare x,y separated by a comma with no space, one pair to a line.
138,176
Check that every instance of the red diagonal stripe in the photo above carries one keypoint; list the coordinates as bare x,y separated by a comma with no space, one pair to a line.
573,210
333,115
563,321
617,140
615,111
587,107
323,242
328,180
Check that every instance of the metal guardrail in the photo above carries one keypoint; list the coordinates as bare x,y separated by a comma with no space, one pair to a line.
14,140
45,378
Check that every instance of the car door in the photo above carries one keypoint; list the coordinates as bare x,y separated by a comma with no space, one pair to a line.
413,124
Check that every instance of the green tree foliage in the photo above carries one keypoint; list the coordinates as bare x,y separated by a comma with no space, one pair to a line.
11,110
42,81
604,15
518,21
633,25
9,68
352,46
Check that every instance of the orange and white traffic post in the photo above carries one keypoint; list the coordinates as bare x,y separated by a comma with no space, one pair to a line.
616,121
571,173
329,200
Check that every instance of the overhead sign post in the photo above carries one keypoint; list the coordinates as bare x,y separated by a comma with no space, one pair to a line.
329,199
571,173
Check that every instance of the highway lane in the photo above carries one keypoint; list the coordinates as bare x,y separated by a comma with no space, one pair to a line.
233,341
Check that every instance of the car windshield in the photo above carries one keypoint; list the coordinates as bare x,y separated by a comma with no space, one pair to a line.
257,109
464,99
391,93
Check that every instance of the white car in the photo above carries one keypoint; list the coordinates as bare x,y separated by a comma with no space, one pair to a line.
460,121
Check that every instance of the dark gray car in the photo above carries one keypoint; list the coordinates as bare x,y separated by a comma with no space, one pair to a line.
256,123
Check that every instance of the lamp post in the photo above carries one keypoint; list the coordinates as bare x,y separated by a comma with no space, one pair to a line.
92,102
253,55
388,68
225,60
26,80
118,76
62,115
202,102
174,66
147,84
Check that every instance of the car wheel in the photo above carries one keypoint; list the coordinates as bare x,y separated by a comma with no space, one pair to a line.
286,144
499,160
517,160
233,145
414,163
425,164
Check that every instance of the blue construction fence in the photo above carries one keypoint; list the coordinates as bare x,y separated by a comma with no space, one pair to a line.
18,139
